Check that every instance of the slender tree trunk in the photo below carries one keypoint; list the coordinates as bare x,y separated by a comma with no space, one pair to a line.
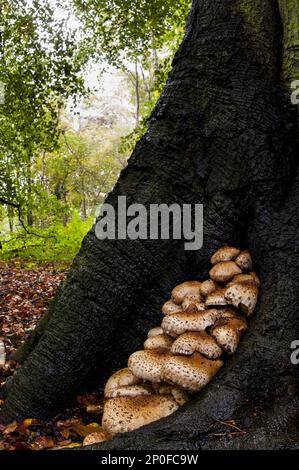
137,95
223,134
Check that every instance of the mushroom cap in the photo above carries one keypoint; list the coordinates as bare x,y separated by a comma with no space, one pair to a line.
158,342
124,414
193,303
190,372
243,295
216,298
179,323
244,260
207,287
225,253
250,277
179,394
121,378
196,341
224,271
130,391
171,307
228,333
186,288
147,365
96,437
155,332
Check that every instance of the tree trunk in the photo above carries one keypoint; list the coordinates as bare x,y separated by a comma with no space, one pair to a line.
223,134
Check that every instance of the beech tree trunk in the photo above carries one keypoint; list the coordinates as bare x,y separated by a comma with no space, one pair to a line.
223,134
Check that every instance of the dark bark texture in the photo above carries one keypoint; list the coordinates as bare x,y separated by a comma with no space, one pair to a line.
223,134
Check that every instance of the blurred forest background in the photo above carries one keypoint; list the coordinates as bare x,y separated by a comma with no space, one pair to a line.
78,82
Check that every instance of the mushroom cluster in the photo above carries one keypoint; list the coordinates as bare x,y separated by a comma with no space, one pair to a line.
203,323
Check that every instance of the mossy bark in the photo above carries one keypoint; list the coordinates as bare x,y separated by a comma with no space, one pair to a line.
223,134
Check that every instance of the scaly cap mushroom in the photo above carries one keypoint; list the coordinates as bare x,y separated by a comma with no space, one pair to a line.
121,378
179,323
250,277
186,288
196,341
207,287
96,437
170,307
124,414
155,332
130,391
244,260
158,342
178,393
147,365
216,298
190,372
243,295
193,303
228,333
224,271
225,253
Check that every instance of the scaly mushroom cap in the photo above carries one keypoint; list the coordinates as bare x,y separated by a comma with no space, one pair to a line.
250,277
228,333
193,303
170,307
155,332
121,378
224,271
186,288
179,323
196,341
190,372
207,287
243,295
96,437
147,365
124,414
225,253
179,394
216,298
158,342
244,261
130,391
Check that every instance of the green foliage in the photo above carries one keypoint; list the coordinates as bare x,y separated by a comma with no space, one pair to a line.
60,243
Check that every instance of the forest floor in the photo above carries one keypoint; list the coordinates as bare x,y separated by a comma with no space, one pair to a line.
24,298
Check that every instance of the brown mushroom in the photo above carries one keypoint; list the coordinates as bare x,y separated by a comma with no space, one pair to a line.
243,295
121,378
186,288
250,277
178,393
216,298
225,253
207,287
124,414
179,323
147,365
158,342
196,341
190,372
155,332
171,307
193,303
130,391
96,437
224,271
228,333
244,260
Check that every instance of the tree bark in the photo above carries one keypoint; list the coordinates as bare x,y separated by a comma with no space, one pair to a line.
223,134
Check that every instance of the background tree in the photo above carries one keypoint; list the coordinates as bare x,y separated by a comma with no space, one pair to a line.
223,133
